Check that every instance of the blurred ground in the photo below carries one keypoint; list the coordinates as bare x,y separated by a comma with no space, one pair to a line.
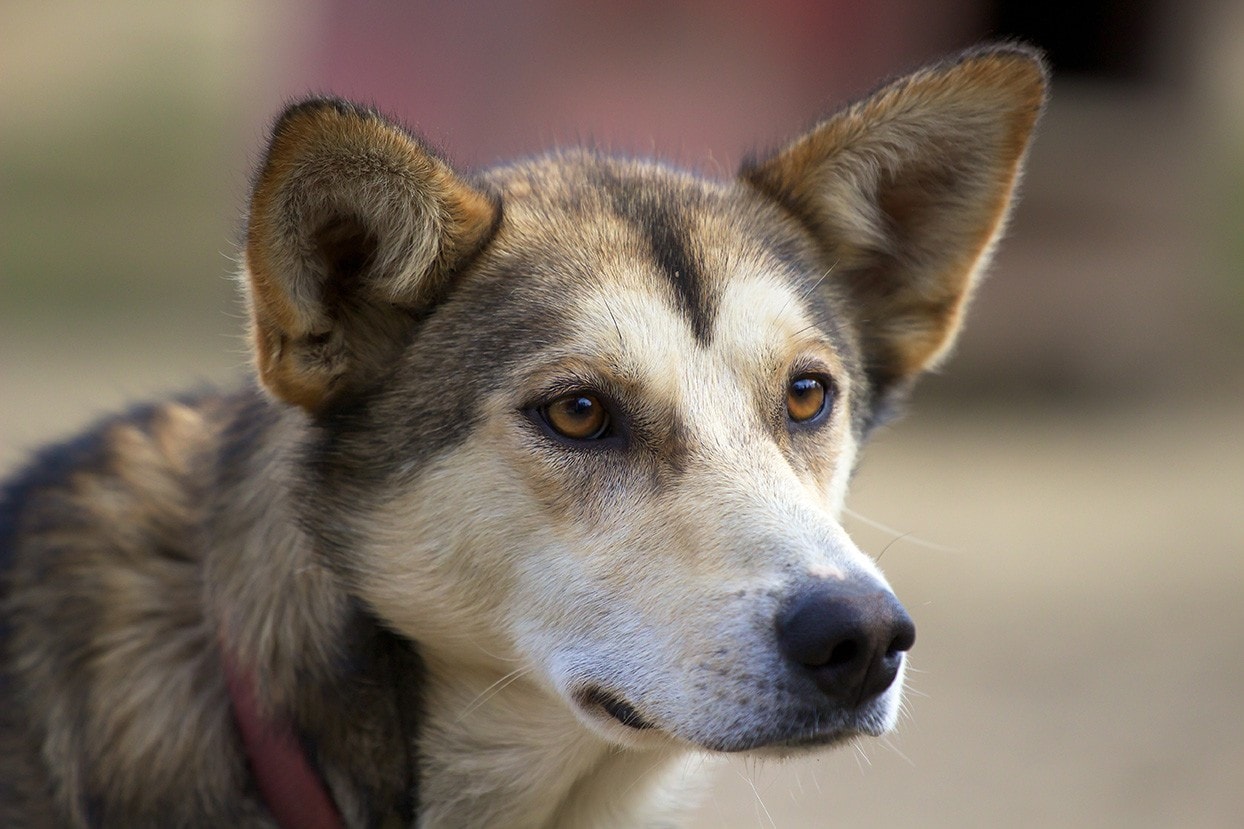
1078,469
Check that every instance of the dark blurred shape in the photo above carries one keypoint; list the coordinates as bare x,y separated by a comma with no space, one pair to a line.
1095,39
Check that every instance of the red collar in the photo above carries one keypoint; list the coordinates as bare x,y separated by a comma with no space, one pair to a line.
291,789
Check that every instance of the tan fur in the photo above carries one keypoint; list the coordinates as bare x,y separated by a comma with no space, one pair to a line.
152,712
339,183
918,177
468,619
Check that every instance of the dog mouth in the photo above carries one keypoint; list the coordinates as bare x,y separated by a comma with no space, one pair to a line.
781,741
791,736
620,710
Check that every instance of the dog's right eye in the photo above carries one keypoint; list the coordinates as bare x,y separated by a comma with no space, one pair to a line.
578,416
807,398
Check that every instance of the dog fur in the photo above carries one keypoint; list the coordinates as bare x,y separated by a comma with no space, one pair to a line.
469,612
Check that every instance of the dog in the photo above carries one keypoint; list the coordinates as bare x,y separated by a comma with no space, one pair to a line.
534,503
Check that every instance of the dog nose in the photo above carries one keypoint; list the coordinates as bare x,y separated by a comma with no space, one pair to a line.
850,636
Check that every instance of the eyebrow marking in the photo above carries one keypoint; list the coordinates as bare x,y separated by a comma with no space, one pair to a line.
659,212
670,240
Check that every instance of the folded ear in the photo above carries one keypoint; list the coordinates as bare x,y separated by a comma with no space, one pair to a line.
907,192
354,226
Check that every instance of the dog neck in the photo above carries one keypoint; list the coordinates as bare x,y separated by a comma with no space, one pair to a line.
501,751
302,653
293,792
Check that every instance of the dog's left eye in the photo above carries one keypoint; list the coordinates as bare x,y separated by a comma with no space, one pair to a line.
578,416
807,398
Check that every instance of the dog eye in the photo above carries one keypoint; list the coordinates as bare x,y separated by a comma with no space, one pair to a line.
807,398
577,416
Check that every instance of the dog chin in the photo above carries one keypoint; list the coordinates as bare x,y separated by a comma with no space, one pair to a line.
782,742
774,737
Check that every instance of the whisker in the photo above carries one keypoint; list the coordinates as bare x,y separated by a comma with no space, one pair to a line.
491,691
916,692
496,656
760,801
889,744
861,757
808,292
657,761
616,327
877,525
887,547
818,282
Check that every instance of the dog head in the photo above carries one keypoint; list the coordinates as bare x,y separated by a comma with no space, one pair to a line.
594,419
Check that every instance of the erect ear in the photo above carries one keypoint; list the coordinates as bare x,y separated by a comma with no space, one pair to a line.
906,193
354,226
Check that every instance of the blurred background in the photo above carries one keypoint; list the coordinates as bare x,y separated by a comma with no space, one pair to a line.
1062,510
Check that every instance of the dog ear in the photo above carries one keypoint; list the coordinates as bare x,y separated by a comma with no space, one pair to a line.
906,193
354,227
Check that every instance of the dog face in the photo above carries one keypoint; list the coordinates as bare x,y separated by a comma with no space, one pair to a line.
653,468
593,421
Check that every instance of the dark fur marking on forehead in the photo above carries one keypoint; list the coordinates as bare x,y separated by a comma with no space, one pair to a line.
670,245
659,212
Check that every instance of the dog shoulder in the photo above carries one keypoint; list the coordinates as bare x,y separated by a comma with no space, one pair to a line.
135,470
100,580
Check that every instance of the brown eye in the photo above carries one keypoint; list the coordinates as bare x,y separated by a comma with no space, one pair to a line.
578,416
806,398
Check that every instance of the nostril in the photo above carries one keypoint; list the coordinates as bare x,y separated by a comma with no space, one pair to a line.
849,637
843,653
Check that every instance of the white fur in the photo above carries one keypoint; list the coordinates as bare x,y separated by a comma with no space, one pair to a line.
666,601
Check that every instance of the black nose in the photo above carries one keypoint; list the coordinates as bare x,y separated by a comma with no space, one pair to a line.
850,636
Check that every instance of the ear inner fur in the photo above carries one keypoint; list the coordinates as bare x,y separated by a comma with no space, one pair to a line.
353,224
907,192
